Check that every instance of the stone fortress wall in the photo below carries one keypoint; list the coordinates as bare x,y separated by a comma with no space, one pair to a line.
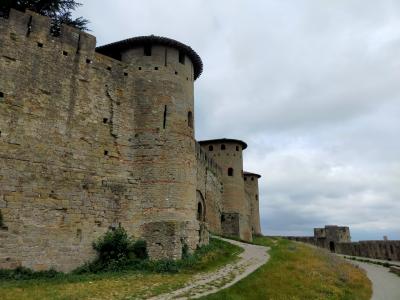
95,138
337,239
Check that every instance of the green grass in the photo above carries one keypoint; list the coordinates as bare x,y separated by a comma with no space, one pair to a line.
298,271
125,284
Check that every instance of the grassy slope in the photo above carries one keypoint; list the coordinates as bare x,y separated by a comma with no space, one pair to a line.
298,271
121,285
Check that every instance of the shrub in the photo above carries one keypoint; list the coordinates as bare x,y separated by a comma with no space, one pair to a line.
185,251
139,248
114,246
22,273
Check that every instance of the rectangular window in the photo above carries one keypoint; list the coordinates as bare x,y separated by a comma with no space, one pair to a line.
181,57
147,50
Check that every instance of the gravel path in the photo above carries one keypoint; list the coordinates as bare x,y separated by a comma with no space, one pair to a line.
385,285
204,284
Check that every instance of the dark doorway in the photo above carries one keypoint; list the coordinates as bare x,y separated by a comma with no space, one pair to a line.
332,246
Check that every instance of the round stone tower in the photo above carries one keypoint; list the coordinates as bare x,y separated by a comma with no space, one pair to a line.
161,74
228,153
252,194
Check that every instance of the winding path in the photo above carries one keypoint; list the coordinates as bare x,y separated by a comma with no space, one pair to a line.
385,285
204,284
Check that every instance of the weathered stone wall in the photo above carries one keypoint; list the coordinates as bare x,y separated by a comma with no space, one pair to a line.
303,239
387,250
331,235
252,195
228,154
89,142
230,223
337,239
209,190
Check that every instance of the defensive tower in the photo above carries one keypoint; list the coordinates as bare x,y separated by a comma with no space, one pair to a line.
164,141
252,194
228,153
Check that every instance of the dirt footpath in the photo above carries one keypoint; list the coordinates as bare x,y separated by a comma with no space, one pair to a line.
204,284
385,285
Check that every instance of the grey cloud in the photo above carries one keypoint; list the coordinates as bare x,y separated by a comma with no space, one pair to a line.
312,86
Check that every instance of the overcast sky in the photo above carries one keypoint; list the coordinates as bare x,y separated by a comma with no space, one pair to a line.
313,87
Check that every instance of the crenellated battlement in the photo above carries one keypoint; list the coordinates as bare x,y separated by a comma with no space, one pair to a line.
37,27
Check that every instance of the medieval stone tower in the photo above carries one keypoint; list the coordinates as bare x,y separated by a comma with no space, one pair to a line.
164,146
96,138
228,153
252,195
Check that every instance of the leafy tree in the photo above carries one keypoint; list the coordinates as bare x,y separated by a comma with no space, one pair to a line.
59,11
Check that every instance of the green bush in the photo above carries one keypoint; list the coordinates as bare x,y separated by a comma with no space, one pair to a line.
22,273
139,248
114,246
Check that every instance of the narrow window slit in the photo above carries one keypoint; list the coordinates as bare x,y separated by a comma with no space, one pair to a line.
190,119
1,95
125,74
88,61
165,117
156,68
166,57
181,57
147,50
65,53
176,72
109,68
105,152
40,45
140,68
105,120
230,172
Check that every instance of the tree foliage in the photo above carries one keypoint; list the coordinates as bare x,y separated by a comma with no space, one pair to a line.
59,11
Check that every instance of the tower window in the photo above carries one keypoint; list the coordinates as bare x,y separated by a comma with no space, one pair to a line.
105,120
230,172
256,197
165,117
199,212
252,178
181,57
40,45
147,50
1,95
190,119
237,148
245,179
65,53
223,147
210,148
